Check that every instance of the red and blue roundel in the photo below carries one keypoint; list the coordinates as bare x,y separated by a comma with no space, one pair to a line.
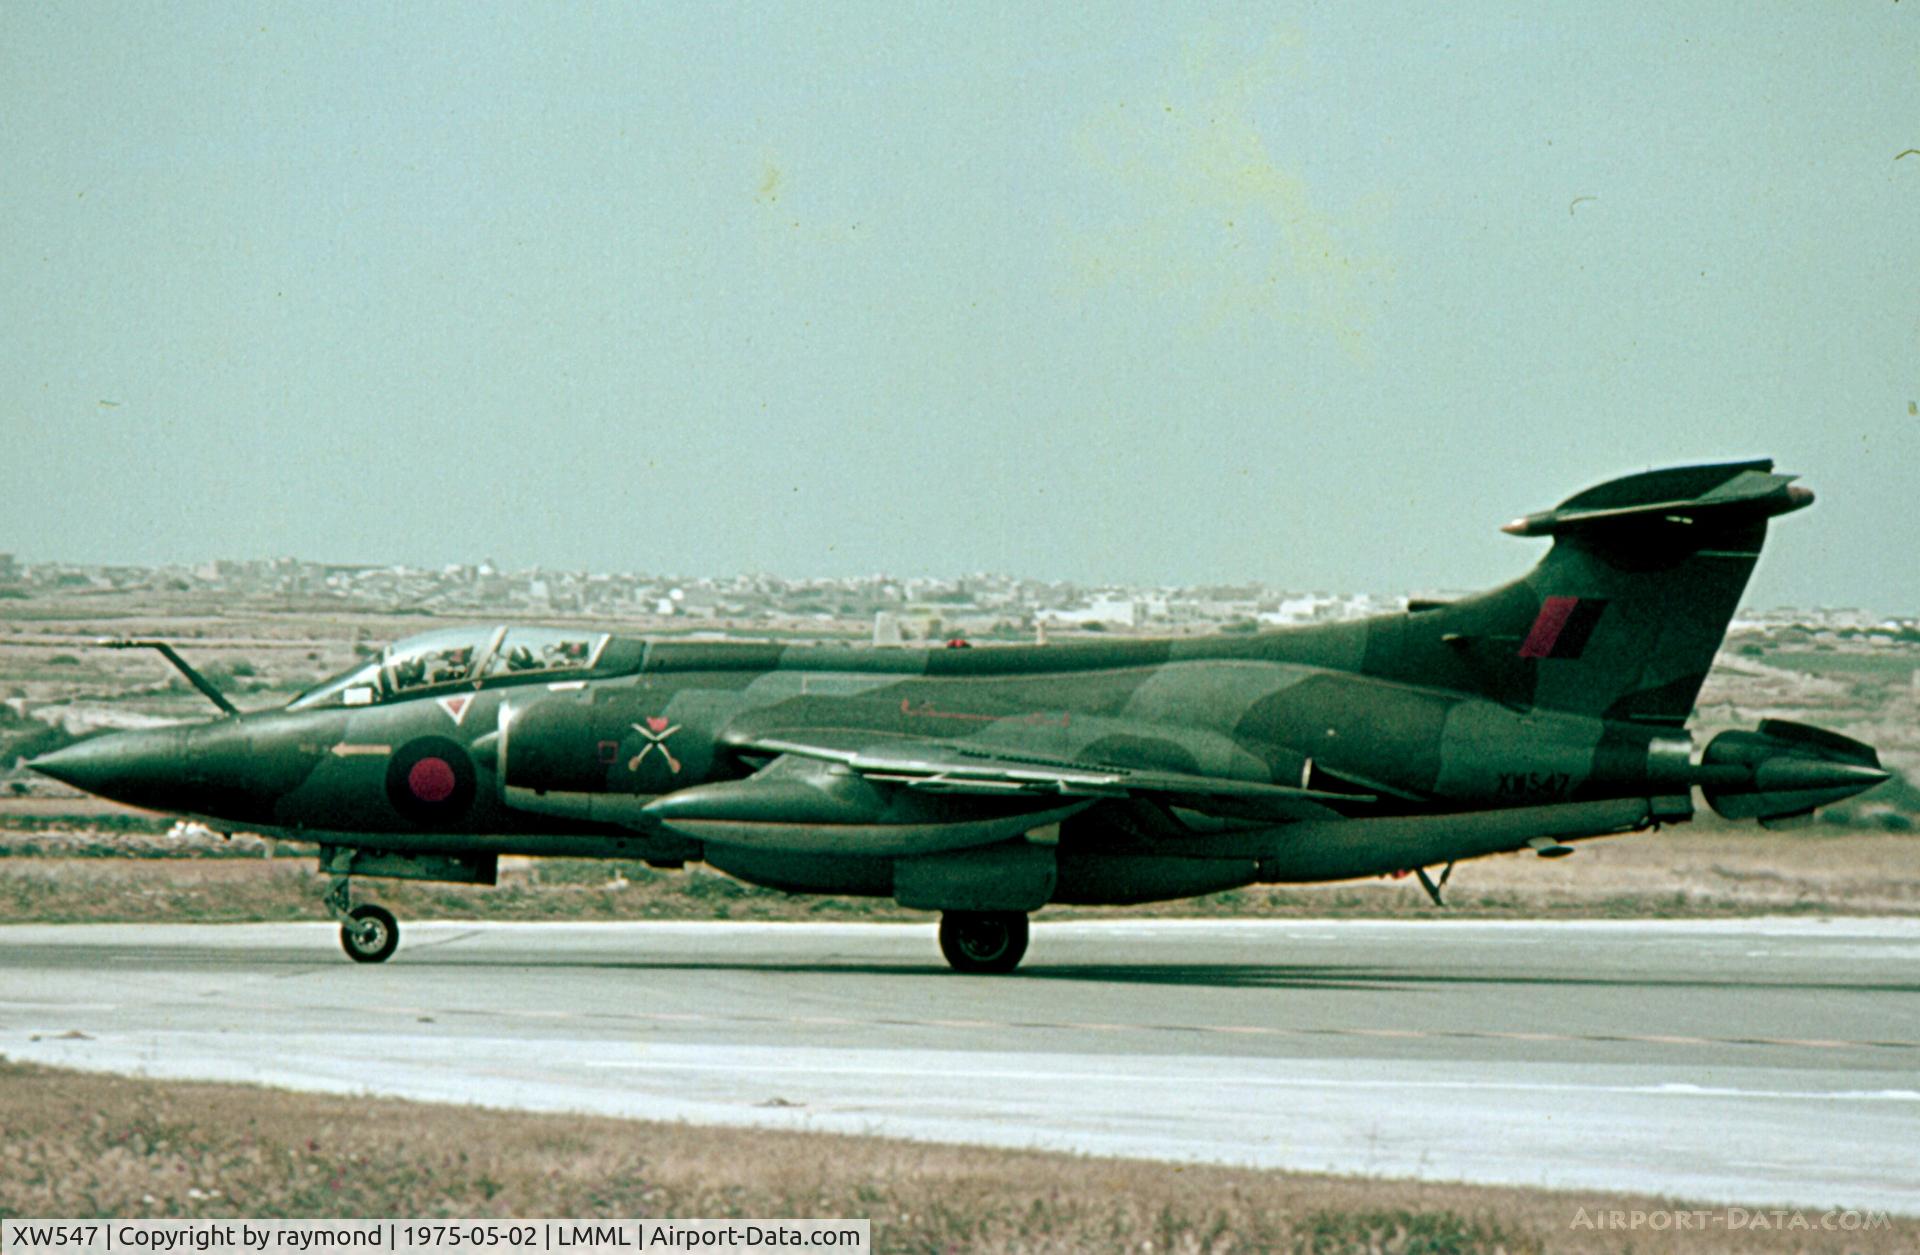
430,780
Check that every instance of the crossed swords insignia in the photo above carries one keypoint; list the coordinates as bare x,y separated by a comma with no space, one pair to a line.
656,732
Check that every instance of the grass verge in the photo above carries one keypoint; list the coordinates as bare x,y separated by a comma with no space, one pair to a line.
77,1144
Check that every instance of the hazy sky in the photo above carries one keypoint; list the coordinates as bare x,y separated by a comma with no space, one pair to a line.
1312,294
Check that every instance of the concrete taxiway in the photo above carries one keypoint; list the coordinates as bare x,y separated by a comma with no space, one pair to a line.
1756,1062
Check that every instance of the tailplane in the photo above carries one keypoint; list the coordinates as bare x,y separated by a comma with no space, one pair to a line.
1623,616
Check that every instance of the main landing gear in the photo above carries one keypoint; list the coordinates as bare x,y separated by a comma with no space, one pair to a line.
368,933
983,942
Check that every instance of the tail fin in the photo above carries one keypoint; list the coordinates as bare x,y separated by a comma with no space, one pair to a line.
1621,619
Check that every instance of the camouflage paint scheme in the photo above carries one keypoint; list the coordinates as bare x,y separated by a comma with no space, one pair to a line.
999,779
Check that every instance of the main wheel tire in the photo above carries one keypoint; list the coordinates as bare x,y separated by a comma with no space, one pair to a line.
983,942
372,936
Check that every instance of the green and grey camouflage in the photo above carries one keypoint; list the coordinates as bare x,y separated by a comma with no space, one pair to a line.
985,783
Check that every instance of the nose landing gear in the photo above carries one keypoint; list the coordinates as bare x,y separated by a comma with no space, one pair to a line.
368,933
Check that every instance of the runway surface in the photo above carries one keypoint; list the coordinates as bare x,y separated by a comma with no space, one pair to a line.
1753,1061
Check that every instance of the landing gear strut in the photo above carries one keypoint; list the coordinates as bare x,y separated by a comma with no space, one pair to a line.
1432,886
983,942
368,933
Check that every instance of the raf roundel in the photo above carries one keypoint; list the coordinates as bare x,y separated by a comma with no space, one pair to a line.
431,781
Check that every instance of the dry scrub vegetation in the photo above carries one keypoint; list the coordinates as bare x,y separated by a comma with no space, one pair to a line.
74,1144
55,875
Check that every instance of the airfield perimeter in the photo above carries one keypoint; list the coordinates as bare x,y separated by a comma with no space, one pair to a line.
1760,1062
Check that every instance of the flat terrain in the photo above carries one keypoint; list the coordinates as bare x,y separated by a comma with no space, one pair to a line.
1762,1062
52,869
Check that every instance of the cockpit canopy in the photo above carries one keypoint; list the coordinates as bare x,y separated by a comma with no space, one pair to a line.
453,657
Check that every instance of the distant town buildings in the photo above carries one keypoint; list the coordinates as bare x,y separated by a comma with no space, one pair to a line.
884,608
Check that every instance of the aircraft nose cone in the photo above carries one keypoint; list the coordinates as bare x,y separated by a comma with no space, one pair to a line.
140,768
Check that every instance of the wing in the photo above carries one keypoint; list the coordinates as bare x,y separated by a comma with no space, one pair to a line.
961,767
846,791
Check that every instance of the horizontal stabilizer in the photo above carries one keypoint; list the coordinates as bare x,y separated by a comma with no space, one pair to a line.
1621,617
1727,493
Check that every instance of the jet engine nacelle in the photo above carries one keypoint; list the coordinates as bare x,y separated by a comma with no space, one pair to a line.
1784,770
799,805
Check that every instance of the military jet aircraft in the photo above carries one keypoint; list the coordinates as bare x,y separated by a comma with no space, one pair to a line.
986,783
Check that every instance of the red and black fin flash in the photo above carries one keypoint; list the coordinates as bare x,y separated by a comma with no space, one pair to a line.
1563,627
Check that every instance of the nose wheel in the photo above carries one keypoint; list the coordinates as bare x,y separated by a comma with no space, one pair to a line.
368,933
983,942
371,935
